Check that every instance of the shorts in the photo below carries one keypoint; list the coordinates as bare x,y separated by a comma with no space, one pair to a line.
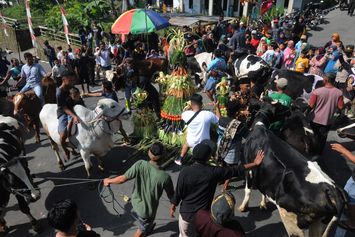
145,225
63,122
211,84
350,189
84,78
106,68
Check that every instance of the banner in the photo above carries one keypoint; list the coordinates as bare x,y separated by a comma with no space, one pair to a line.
4,25
65,25
29,20
265,6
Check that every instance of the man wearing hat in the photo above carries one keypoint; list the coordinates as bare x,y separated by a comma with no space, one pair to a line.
197,183
218,222
198,124
325,101
281,98
254,39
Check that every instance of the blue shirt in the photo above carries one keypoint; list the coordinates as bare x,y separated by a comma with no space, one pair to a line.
217,64
330,67
33,74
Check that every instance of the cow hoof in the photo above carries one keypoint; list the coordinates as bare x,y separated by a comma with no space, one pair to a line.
243,209
38,141
4,229
263,207
101,168
36,226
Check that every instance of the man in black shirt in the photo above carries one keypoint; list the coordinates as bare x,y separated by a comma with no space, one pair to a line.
197,183
64,113
50,53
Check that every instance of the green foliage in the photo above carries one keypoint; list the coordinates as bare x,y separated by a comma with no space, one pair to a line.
17,12
97,9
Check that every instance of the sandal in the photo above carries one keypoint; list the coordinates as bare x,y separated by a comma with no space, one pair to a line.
344,225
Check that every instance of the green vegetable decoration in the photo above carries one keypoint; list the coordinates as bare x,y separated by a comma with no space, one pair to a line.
144,120
222,91
177,89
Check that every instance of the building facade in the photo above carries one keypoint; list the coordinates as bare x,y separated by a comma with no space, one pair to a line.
232,8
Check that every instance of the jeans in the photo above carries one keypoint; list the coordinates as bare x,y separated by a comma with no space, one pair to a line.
37,88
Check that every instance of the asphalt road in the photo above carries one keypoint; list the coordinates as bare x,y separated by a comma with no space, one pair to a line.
107,222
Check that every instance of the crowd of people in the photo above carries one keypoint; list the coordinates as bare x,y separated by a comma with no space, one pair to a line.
200,213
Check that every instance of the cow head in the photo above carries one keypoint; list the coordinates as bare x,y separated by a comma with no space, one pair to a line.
267,111
20,100
108,114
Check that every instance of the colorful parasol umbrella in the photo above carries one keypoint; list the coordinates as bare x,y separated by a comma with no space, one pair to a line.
138,21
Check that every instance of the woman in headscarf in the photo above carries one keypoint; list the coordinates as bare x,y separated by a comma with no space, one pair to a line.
262,47
318,62
334,41
289,54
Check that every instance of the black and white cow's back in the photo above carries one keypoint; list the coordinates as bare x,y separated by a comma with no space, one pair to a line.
304,195
298,83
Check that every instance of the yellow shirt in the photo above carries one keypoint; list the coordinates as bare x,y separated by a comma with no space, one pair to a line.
302,64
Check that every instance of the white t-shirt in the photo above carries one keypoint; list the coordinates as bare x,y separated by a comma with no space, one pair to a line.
199,129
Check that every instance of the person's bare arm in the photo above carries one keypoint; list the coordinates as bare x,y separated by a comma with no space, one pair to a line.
7,77
217,109
257,161
342,150
117,180
93,94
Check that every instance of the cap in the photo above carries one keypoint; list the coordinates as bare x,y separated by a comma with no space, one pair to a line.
263,38
222,208
253,32
203,151
281,82
304,37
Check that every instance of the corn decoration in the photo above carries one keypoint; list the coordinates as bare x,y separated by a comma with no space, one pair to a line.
222,91
144,118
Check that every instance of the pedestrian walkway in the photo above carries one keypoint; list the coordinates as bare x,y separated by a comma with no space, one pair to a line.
337,21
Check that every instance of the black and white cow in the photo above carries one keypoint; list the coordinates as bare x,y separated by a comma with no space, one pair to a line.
299,84
305,196
15,176
255,69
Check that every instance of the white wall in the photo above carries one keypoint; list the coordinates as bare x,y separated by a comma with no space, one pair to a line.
197,4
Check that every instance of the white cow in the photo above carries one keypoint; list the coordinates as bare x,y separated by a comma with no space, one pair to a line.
94,133
203,58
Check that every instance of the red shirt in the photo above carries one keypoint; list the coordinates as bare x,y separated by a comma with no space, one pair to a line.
206,227
254,42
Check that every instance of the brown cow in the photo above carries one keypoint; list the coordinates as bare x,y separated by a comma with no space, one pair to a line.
30,105
49,88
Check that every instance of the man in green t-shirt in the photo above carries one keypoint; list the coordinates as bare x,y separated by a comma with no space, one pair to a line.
148,188
281,98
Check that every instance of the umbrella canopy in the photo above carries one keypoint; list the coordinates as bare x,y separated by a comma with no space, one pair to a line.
138,21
